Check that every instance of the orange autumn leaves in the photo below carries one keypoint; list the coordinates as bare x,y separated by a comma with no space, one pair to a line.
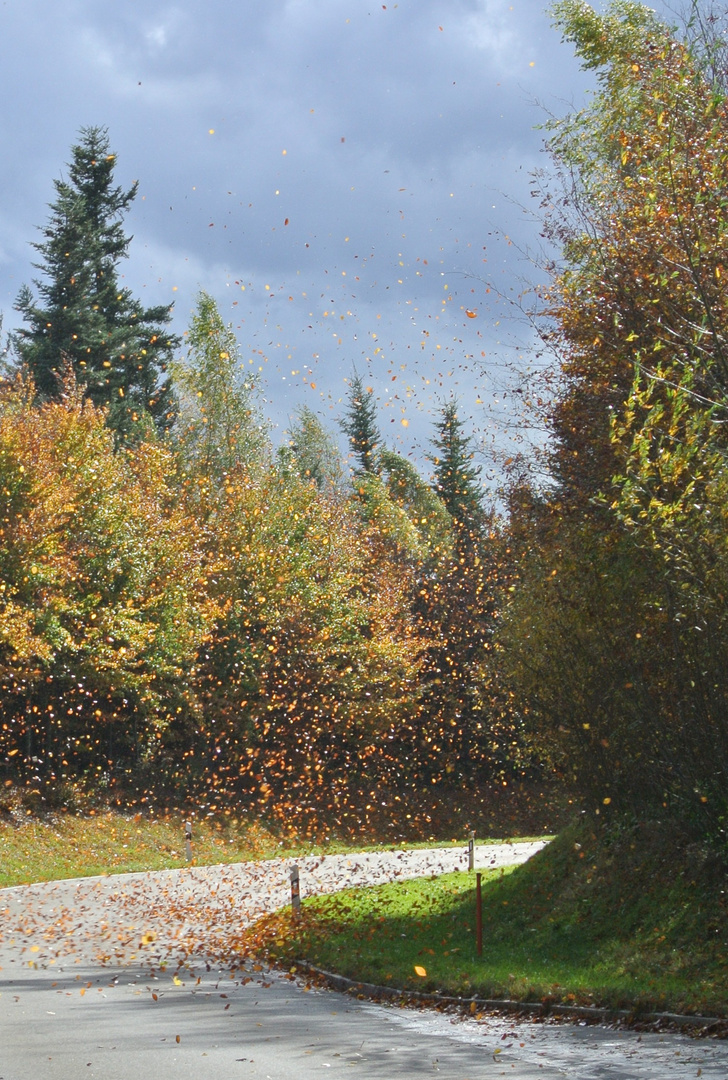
164,627
314,656
100,600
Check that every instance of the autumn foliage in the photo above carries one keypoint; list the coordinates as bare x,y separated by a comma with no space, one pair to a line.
198,614
198,617
101,608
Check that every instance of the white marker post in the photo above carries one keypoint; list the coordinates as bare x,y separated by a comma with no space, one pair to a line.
188,840
471,852
295,891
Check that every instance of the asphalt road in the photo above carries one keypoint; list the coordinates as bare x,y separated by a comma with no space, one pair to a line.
113,978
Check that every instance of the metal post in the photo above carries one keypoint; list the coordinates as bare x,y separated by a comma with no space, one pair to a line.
295,891
478,915
188,840
471,852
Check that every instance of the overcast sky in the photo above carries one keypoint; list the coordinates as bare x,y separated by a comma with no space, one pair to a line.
343,176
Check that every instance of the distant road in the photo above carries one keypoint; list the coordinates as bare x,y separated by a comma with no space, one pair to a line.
114,978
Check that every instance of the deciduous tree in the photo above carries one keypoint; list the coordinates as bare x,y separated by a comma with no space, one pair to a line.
617,624
102,598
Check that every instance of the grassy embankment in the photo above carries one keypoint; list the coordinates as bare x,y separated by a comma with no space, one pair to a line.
631,923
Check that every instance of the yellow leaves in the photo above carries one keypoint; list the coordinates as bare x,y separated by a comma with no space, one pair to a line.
419,970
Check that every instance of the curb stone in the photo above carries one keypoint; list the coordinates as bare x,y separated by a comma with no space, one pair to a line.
714,1026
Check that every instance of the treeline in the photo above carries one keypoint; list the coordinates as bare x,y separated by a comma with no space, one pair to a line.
205,614
187,612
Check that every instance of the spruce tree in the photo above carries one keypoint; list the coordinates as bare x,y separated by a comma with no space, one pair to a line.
458,605
81,315
456,478
360,424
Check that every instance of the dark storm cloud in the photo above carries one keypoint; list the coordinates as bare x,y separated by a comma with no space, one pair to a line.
395,140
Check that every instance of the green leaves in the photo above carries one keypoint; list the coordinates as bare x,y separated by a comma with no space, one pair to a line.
219,426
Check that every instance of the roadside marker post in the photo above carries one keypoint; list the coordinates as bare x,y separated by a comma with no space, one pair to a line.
478,914
471,852
188,840
295,891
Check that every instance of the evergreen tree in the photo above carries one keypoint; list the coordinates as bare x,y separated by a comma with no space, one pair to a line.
360,424
456,478
460,735
118,349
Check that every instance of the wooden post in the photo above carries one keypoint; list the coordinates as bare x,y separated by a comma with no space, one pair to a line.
478,915
471,852
295,891
188,840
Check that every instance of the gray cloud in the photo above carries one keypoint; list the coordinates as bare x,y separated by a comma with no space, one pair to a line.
396,140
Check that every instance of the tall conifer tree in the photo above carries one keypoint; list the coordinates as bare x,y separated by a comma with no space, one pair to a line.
360,424
456,478
81,315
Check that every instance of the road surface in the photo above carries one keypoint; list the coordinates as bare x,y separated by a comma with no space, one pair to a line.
120,977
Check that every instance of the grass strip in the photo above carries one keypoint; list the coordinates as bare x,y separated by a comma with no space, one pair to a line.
586,922
69,846
82,845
